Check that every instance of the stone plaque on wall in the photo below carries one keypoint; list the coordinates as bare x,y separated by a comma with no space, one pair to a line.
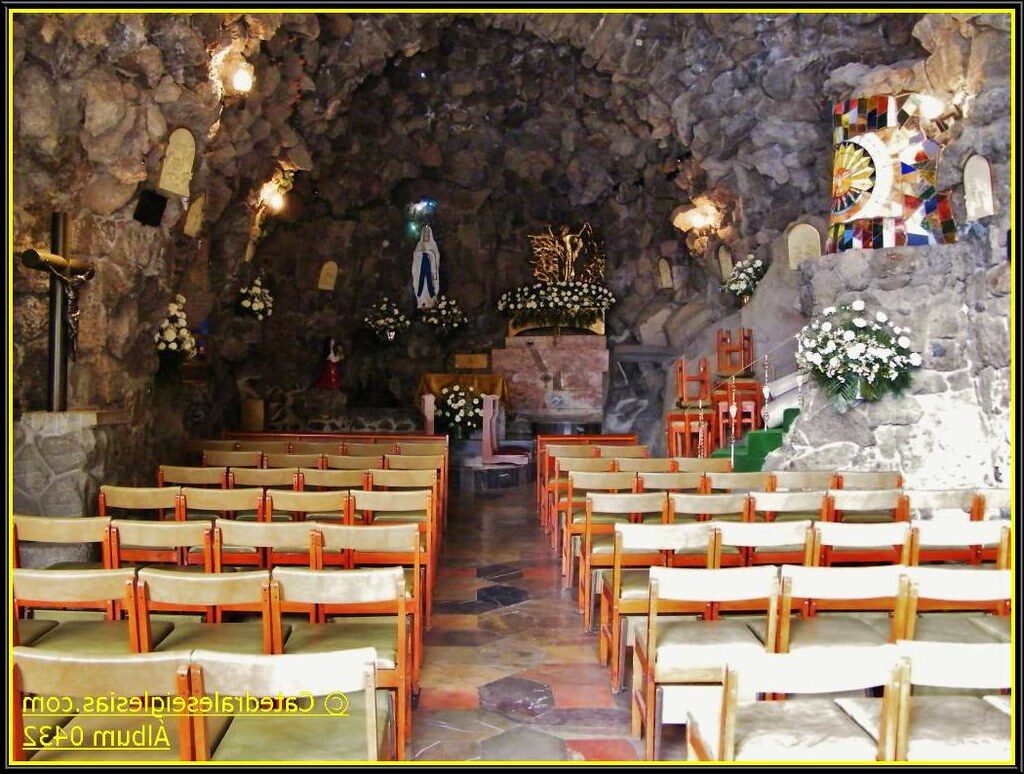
328,276
803,242
176,173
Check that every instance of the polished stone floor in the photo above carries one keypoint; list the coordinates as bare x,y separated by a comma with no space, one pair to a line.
508,672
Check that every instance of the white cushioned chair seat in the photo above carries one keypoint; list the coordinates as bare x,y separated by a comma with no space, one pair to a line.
95,638
733,636
605,545
31,629
866,517
601,518
240,637
635,583
954,627
396,517
827,630
963,728
319,736
378,632
800,730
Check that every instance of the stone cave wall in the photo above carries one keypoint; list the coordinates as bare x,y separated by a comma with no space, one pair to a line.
521,120
952,428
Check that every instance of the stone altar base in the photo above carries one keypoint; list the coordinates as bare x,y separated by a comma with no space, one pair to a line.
553,374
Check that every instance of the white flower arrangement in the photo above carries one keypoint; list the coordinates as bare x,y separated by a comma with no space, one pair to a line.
576,304
445,315
173,337
256,300
460,408
745,276
386,320
856,355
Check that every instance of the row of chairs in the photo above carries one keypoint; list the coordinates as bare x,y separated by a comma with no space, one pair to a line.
729,544
312,729
694,497
260,459
800,610
434,445
301,610
903,724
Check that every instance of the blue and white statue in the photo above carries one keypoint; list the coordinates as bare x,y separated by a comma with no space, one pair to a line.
426,278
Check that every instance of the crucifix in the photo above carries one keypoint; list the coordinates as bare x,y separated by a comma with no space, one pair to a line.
67,275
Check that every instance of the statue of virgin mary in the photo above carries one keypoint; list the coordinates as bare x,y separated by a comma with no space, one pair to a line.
426,263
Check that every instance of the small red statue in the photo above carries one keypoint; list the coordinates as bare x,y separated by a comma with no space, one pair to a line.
330,377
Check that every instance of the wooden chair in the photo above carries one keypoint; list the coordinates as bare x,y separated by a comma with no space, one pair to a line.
693,383
883,543
623,589
397,545
293,461
261,445
622,451
953,727
848,596
571,512
728,427
597,542
316,447
349,462
958,605
437,461
210,595
799,480
807,729
871,506
261,544
209,504
992,504
721,507
311,479
742,544
703,464
735,482
788,506
357,449
645,464
735,352
167,475
363,732
410,507
174,543
868,479
688,483
62,530
661,656
262,478
684,429
79,678
105,591
940,504
329,505
140,501
232,459
360,598
548,476
405,480
557,490
970,542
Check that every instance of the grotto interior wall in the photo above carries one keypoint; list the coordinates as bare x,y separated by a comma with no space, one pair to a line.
730,105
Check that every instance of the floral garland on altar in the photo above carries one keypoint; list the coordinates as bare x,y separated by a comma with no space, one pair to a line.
856,356
461,409
573,304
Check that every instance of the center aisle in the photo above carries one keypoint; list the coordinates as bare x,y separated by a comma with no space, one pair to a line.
508,673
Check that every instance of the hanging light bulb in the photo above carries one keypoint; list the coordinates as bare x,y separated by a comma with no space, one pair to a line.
272,196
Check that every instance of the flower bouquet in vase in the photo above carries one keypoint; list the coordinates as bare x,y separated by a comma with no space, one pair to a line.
173,340
460,410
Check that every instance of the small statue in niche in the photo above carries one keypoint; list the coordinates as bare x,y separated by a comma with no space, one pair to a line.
330,376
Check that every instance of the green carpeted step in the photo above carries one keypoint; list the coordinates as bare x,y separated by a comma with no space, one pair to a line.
788,417
761,442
